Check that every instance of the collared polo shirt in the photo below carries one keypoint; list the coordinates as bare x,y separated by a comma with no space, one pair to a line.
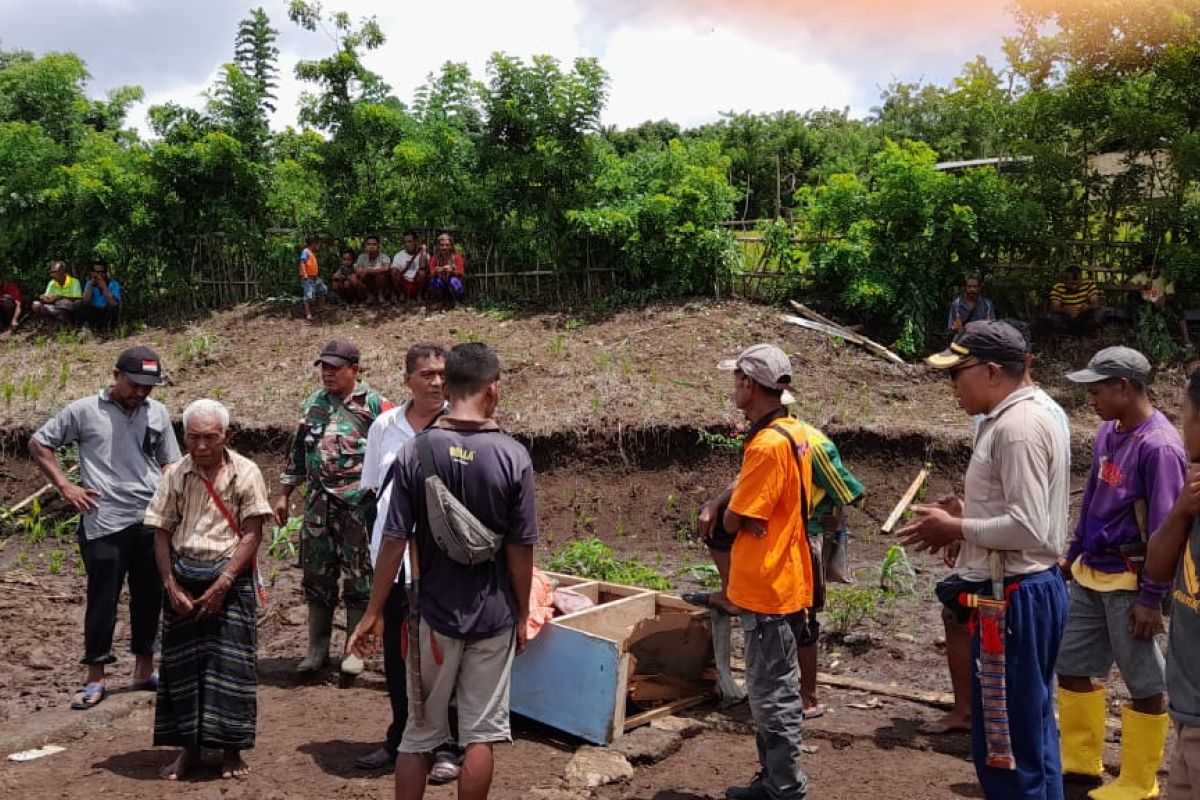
121,455
183,506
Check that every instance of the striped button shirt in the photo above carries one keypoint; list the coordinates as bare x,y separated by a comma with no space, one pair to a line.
183,507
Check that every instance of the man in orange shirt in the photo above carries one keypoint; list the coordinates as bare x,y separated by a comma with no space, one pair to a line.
770,571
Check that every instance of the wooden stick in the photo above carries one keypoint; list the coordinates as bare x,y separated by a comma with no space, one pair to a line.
939,699
905,501
850,336
31,498
664,711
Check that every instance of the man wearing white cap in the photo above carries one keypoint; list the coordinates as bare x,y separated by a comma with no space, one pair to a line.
770,580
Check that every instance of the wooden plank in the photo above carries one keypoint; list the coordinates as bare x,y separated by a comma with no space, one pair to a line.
848,335
568,679
939,699
664,711
612,620
905,501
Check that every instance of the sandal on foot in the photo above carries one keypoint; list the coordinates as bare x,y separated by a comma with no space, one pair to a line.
89,696
148,685
814,712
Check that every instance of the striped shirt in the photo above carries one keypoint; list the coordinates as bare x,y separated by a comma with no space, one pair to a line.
183,507
1083,293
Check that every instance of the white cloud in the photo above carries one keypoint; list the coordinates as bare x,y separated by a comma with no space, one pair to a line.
689,77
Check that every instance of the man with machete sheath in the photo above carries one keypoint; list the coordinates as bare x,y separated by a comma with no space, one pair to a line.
1138,469
473,595
1011,525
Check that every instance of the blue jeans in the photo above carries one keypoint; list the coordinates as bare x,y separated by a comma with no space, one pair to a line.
1037,617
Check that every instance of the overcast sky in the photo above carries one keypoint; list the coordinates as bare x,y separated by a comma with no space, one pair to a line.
685,60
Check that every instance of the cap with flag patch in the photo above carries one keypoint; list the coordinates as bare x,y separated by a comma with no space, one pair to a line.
142,366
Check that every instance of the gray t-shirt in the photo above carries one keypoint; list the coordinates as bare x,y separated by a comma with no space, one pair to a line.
1183,653
492,474
120,455
372,263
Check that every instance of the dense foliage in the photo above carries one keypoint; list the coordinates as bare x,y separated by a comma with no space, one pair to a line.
517,161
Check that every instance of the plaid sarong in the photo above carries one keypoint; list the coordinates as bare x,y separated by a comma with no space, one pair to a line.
208,679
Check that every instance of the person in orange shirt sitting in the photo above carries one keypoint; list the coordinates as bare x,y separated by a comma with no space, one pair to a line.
770,568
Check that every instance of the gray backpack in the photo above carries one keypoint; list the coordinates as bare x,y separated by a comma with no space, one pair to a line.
454,529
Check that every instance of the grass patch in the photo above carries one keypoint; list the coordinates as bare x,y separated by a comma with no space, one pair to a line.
591,558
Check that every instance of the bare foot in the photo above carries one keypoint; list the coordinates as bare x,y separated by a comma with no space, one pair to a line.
952,722
232,765
180,767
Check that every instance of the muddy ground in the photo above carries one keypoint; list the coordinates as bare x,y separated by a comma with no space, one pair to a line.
310,732
611,409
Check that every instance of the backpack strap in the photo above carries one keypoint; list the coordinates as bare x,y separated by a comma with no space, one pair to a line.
425,455
800,468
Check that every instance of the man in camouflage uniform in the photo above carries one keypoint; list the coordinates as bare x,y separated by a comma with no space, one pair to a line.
326,454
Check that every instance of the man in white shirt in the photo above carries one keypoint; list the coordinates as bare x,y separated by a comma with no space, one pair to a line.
1011,527
424,375
410,269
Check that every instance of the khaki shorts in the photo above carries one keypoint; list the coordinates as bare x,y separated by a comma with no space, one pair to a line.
477,675
1184,780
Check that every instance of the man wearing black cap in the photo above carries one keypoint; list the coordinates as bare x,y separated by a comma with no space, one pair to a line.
1010,527
125,441
1138,470
327,453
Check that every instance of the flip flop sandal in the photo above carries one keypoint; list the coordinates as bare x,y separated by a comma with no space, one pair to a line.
148,685
814,712
703,599
91,696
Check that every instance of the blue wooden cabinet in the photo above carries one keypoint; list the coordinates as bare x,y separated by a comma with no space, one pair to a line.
575,675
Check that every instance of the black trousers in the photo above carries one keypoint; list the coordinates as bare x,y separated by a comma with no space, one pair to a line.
394,668
109,560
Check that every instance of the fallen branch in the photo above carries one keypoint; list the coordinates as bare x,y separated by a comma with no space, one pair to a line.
905,501
839,332
939,699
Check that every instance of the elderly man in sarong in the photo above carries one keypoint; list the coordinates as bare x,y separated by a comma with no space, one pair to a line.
208,516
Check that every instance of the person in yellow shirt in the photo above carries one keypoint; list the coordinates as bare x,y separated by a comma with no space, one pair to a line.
770,568
61,295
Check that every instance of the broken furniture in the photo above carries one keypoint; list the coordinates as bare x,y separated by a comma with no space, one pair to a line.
636,655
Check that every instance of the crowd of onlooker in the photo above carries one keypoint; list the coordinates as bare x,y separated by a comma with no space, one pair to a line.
412,276
96,302
1073,304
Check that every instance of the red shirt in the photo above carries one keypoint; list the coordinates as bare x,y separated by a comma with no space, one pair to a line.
460,266
10,289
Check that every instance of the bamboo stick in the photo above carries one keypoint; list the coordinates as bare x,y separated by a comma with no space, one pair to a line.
905,501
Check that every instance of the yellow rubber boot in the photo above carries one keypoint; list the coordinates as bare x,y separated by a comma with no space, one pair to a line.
1081,732
1143,737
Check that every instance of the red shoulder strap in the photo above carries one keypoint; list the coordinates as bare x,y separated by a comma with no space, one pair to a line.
216,498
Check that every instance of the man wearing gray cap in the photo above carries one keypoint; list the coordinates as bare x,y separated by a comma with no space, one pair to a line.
1138,469
326,454
125,442
770,576
1010,527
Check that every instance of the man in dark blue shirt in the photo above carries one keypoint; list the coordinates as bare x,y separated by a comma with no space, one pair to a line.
101,301
475,614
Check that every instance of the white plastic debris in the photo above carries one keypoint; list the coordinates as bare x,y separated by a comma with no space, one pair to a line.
41,752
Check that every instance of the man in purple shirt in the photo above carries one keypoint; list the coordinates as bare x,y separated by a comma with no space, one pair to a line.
1138,469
